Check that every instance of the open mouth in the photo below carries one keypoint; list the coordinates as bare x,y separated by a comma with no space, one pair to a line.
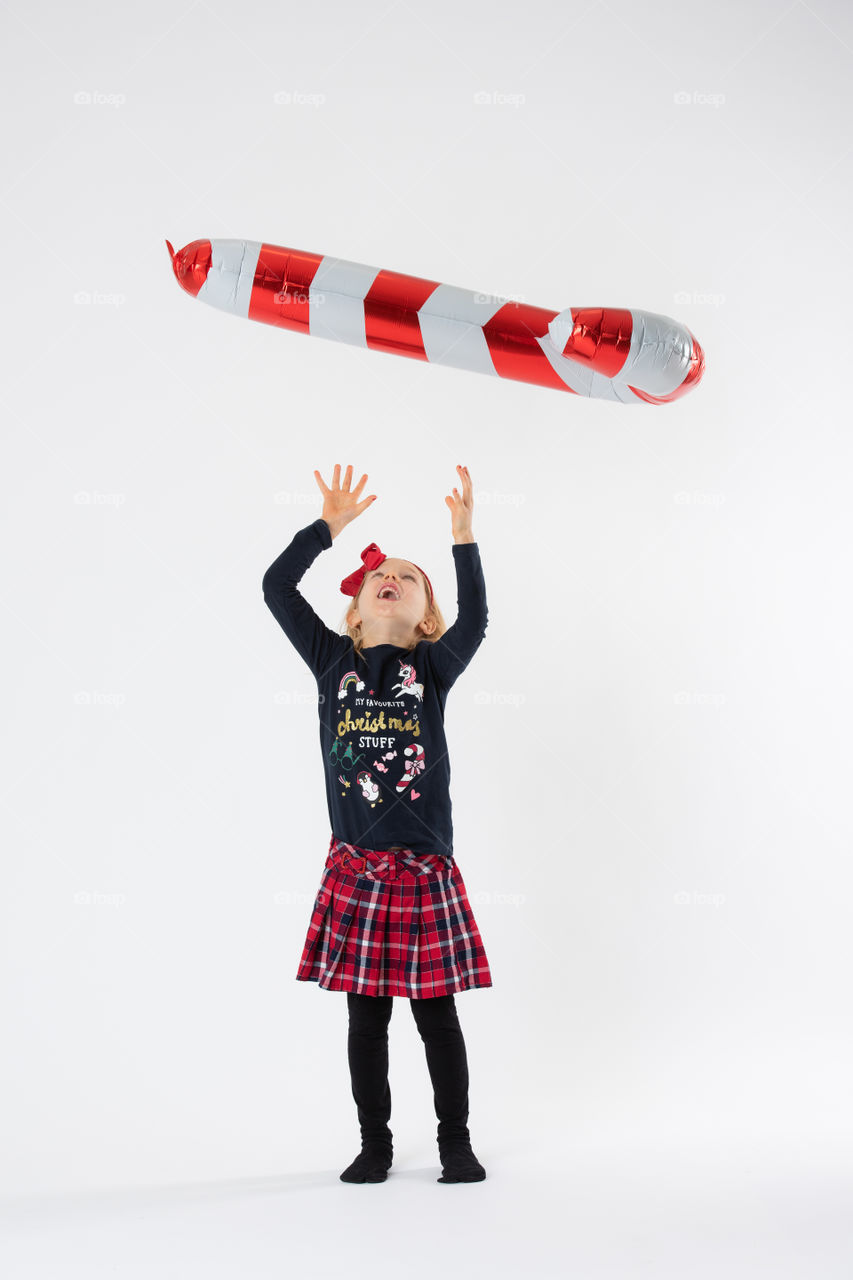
388,592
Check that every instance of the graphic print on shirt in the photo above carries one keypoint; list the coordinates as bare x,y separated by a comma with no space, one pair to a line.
365,728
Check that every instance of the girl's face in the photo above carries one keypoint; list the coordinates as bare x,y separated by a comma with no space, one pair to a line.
392,602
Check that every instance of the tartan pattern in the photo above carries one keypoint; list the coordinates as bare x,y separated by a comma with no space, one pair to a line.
392,922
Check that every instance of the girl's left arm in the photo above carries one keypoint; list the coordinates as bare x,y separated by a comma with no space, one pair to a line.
451,654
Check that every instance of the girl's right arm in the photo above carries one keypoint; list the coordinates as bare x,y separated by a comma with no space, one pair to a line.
309,635
316,643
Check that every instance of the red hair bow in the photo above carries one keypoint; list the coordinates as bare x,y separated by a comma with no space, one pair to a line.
372,558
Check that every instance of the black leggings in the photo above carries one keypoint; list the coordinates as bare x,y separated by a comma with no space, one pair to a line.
367,1050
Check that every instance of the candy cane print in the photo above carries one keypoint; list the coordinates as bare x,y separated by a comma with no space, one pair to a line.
413,766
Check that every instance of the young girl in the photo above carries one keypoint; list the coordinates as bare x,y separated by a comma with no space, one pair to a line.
392,916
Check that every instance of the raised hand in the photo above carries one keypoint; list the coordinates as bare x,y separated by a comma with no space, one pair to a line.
339,504
462,509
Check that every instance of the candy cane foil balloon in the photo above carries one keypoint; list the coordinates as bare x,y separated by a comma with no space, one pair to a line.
601,352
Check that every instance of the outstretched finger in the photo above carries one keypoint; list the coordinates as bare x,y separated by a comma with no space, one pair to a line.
321,482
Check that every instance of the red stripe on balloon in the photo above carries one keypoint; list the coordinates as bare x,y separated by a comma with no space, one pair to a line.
600,338
280,289
191,265
391,313
511,337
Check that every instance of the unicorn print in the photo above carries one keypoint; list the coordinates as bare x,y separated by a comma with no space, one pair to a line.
408,683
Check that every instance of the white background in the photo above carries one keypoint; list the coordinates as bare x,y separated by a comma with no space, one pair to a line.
651,755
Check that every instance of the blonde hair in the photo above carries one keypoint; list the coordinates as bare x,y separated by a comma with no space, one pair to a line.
433,611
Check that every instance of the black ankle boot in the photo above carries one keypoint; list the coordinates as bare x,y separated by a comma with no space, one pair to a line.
458,1162
371,1164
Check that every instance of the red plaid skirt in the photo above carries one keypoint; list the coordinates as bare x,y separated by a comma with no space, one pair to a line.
392,923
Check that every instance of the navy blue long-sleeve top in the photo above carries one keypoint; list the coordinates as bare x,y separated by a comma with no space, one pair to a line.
385,754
